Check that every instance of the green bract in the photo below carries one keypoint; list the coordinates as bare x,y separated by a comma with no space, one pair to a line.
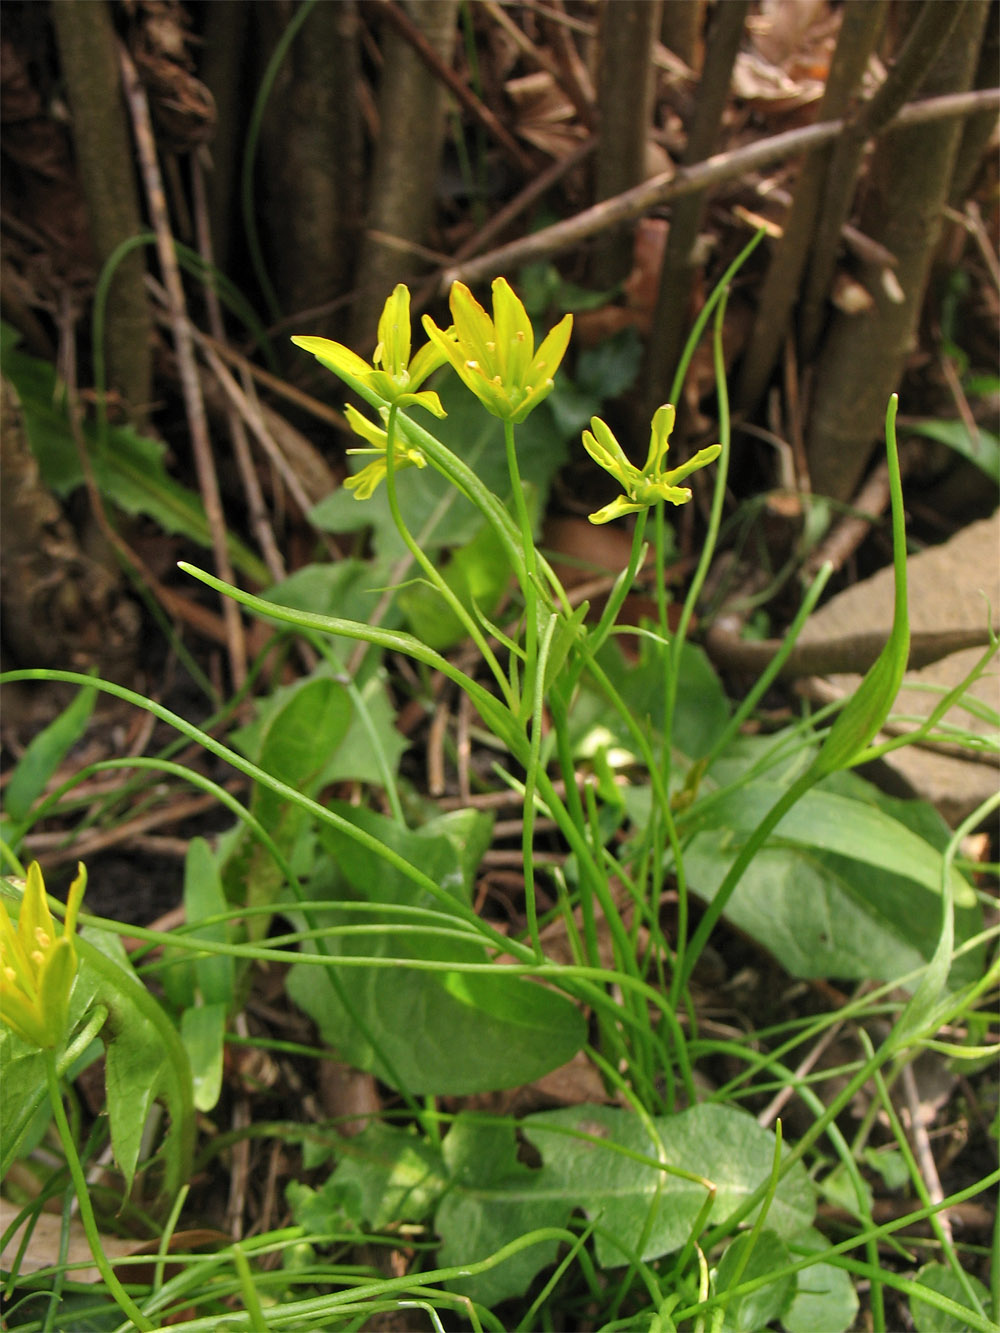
37,966
650,484
392,375
496,358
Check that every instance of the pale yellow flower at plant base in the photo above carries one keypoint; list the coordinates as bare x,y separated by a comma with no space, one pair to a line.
649,484
38,962
496,358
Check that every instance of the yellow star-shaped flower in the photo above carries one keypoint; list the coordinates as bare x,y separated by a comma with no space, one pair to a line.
37,964
392,375
496,358
647,485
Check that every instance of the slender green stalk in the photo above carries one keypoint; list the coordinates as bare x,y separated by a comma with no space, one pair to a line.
854,728
744,1258
685,957
433,574
771,671
251,1300
529,584
121,1296
530,783
560,721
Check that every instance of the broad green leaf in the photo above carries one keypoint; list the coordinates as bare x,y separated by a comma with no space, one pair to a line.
202,986
841,890
430,1031
825,1296
204,898
373,745
297,732
637,1202
482,1197
203,1030
490,1201
323,1210
146,1060
940,1278
22,1091
354,755
129,471
297,741
981,448
753,1310
40,760
385,1175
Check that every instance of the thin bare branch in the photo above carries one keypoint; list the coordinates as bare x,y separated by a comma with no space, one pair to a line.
183,346
668,185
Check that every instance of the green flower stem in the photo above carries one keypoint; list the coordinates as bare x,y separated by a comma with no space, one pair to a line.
432,573
121,1296
462,477
711,536
704,315
771,671
574,806
609,616
661,802
529,584
251,1299
622,586
531,776
683,966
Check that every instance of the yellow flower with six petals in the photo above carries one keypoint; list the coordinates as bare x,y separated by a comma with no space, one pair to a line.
363,483
496,358
392,375
647,485
37,965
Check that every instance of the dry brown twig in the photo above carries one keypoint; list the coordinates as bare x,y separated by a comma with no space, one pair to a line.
668,185
256,508
197,422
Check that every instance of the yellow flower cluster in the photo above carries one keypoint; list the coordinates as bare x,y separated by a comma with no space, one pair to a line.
495,357
37,963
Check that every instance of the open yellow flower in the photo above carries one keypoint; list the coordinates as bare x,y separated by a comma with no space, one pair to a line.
647,485
37,965
392,375
364,482
496,358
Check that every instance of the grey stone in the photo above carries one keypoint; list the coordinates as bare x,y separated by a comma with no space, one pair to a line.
952,586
